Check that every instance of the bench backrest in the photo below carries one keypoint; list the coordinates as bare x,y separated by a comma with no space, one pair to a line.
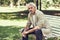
55,24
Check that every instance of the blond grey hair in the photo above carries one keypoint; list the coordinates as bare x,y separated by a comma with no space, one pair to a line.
31,4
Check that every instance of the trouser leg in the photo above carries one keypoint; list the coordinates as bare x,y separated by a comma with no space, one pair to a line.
26,36
38,34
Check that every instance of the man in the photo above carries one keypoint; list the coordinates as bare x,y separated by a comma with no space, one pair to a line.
37,20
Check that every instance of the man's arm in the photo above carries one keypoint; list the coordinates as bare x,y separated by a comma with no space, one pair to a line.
28,23
27,26
31,30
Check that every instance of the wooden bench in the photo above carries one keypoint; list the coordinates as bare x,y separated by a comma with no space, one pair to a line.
55,26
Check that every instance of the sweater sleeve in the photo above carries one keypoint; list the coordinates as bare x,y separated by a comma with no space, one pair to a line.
41,19
29,21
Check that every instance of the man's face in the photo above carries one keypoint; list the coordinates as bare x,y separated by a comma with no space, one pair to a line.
31,9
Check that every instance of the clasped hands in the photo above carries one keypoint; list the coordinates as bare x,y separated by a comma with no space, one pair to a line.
24,33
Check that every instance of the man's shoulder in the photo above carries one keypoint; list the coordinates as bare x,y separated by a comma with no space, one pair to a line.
38,12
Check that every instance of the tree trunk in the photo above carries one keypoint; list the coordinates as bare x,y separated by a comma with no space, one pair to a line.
18,3
11,3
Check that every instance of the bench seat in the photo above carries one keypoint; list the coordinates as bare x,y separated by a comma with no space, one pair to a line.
55,25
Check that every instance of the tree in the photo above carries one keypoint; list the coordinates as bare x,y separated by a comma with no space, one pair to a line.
11,3
27,1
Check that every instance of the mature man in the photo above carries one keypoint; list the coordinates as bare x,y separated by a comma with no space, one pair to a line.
37,20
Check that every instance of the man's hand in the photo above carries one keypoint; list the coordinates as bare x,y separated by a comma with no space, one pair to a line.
24,33
29,31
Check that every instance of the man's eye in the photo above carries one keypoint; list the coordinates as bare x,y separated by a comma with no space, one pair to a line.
28,8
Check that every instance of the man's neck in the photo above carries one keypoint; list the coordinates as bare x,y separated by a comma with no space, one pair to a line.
34,12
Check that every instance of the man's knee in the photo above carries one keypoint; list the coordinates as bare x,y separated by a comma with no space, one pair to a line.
38,31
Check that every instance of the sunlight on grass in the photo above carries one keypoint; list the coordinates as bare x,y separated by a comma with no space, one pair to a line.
13,23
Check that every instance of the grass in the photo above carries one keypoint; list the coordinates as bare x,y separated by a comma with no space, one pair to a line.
9,33
17,23
9,29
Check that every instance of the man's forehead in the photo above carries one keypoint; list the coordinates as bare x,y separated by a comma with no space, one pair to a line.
30,6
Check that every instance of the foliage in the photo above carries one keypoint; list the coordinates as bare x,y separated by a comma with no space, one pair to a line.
15,2
7,16
27,1
9,33
4,2
55,1
50,4
12,16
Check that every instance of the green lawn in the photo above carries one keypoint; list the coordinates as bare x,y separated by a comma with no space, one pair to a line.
9,29
9,33
18,23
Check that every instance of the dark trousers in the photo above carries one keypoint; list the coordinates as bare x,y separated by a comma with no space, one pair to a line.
37,33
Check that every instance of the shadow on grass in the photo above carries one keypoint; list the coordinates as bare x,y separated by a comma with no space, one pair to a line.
9,33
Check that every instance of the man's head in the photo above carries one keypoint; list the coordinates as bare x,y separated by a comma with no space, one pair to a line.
31,7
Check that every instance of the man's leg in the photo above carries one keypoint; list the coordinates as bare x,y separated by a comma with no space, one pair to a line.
38,34
26,36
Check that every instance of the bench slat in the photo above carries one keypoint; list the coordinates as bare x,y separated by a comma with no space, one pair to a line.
55,24
55,35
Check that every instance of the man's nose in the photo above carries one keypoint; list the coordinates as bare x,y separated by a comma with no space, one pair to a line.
29,9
